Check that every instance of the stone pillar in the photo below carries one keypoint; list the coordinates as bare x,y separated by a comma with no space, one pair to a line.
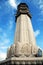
24,34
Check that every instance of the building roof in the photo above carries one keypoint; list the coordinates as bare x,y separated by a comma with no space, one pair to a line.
22,9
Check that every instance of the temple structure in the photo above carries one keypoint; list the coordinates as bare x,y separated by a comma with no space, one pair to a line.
24,51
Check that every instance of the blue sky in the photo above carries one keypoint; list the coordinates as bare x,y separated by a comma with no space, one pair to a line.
8,10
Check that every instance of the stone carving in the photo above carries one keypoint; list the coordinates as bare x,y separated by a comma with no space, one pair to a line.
11,51
26,49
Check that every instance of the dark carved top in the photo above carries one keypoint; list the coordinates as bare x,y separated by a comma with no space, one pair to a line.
22,9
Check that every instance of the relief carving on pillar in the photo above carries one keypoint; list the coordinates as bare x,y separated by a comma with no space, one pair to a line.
26,49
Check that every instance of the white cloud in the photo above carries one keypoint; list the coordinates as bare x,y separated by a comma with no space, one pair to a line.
41,6
37,32
2,56
4,45
13,3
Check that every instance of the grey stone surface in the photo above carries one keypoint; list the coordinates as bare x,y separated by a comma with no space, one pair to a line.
23,61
